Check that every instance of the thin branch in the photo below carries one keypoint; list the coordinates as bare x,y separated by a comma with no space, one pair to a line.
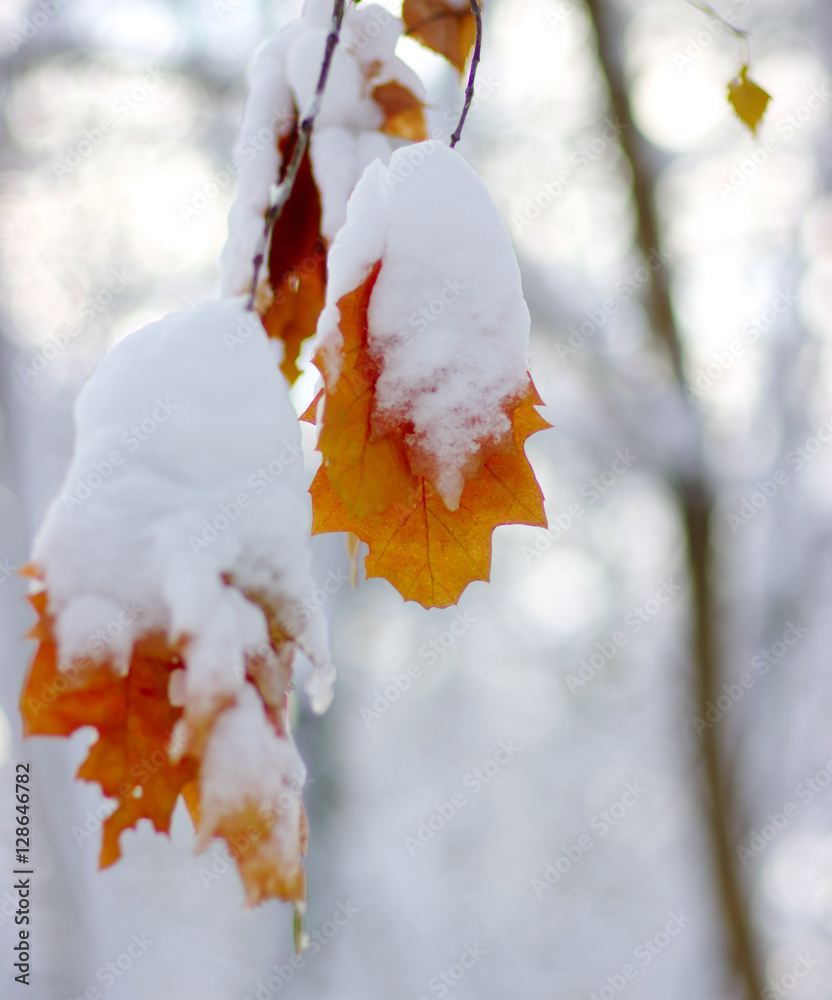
659,301
737,32
742,948
696,503
284,188
472,73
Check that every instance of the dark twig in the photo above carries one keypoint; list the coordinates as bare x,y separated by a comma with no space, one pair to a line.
472,73
284,188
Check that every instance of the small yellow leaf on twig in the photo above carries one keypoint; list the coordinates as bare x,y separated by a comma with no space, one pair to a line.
748,100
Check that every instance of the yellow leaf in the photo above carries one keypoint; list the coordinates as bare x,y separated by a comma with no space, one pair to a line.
748,100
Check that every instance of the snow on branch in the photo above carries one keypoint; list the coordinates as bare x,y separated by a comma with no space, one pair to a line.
284,189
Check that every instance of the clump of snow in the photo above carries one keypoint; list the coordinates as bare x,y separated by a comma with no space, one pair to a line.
185,498
250,784
339,158
346,139
447,321
269,114
247,764
345,101
246,761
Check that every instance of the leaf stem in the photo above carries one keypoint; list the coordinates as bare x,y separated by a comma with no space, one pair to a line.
472,73
737,32
284,188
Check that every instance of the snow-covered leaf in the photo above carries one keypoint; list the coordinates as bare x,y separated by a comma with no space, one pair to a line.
174,586
427,400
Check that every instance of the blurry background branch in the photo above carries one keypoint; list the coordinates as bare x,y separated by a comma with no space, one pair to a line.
719,793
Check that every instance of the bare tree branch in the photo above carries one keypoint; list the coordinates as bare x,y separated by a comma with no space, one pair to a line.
472,74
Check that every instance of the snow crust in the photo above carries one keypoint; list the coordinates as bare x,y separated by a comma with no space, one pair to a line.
185,494
346,139
447,321
246,764
269,114
339,158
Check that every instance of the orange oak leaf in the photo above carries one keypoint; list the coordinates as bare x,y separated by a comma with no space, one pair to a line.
266,837
134,719
269,866
309,415
404,114
131,762
57,703
296,265
365,484
441,26
429,553
190,796
132,750
366,474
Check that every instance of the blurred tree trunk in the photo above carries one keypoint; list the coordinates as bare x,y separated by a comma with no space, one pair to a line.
719,803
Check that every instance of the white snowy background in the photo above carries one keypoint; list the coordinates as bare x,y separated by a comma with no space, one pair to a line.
749,245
